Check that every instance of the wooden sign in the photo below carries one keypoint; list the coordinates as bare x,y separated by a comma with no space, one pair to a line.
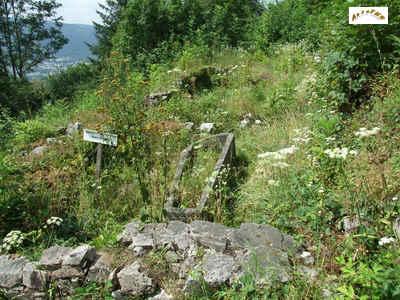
100,138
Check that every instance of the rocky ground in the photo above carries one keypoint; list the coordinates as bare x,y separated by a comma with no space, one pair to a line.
189,255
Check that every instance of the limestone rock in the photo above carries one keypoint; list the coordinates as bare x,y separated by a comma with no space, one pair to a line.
33,278
134,282
210,235
306,258
157,98
143,240
176,236
73,128
350,224
101,270
266,263
162,296
250,236
67,272
11,270
309,273
206,127
129,232
218,268
39,151
52,258
81,256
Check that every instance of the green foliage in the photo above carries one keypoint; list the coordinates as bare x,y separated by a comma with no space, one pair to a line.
30,33
65,83
147,25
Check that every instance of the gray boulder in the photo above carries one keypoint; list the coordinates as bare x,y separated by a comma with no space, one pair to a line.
39,151
33,278
129,232
250,236
350,224
52,258
81,256
210,235
218,268
11,270
101,270
135,282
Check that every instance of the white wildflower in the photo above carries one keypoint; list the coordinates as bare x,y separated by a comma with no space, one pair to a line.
337,153
280,154
330,139
386,240
321,191
54,221
281,165
257,122
272,182
364,132
13,239
244,123
353,152
395,198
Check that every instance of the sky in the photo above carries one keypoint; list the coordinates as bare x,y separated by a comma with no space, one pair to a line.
79,11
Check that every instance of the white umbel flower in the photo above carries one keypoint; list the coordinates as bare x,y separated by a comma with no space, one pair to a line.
386,241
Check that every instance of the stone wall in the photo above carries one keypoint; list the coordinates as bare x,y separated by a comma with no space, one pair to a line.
219,255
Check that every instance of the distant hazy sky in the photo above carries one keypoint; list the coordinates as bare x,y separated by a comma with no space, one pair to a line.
79,11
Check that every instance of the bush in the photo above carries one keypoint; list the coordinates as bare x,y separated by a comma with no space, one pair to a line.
20,96
65,83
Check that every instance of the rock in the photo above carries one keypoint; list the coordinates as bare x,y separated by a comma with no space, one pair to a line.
101,270
119,295
171,257
210,235
157,98
306,258
192,286
265,263
51,141
162,296
250,236
73,128
396,227
67,272
143,240
218,268
52,258
176,236
189,125
81,256
39,151
134,282
33,278
350,224
130,231
113,278
309,273
11,271
206,127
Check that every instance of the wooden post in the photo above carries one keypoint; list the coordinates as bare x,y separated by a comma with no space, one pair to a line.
99,158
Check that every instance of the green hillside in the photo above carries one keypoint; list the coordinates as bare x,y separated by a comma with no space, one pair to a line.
313,104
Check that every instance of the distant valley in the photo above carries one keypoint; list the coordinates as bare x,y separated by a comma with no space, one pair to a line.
74,52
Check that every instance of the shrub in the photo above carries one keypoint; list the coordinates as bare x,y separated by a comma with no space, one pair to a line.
66,82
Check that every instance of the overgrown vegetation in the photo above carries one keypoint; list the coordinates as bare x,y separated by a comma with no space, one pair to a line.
313,102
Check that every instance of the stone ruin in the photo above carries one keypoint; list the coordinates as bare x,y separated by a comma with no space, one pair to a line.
226,143
196,254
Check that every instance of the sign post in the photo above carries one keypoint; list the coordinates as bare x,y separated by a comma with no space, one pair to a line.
100,139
